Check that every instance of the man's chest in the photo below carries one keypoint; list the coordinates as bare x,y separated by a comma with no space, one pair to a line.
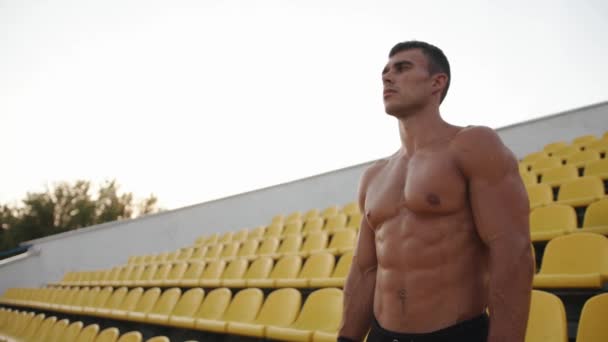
429,184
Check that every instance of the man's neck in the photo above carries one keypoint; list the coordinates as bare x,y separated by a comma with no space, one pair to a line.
420,129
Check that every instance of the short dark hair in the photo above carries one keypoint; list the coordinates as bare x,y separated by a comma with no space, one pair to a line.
438,62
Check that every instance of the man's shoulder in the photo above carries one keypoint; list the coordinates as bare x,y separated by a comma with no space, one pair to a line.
478,138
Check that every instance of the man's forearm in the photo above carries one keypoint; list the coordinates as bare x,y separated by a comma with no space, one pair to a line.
511,272
358,304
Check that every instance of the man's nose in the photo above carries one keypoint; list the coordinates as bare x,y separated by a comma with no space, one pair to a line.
387,78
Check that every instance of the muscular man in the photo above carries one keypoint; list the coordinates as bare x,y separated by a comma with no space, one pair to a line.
444,235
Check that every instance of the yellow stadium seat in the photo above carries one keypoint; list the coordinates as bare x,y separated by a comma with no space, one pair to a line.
71,332
335,222
226,238
533,157
211,239
547,318
185,254
528,178
32,328
596,218
280,309
296,215
582,158
158,339
229,251
248,249
113,303
45,328
244,307
160,258
99,301
212,273
286,267
256,233
581,192
278,219
351,208
83,299
552,221
159,314
290,245
171,257
312,225
234,271
311,214
214,252
159,276
293,228
342,241
268,247
241,235
273,230
108,335
559,175
178,269
539,195
144,305
592,325
198,254
133,336
338,276
584,139
598,168
126,305
57,330
566,151
321,315
146,276
554,146
315,242
259,269
88,334
545,163
354,222
187,306
600,146
574,261
132,277
330,211
212,308
316,266
65,302
192,275
111,276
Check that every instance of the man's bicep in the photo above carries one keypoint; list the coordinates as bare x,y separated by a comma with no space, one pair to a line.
365,250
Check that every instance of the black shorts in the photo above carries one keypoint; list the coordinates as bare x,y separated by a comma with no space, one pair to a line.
473,330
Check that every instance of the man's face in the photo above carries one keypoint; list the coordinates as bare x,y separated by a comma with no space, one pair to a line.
407,82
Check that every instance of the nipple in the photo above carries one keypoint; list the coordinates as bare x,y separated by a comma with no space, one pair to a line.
433,199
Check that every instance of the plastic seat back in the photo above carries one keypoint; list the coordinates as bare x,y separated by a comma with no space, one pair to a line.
166,302
71,332
273,230
248,248
268,246
108,335
576,254
344,238
177,270
596,214
597,168
215,303
592,325
214,269
57,330
322,311
553,217
539,195
559,175
230,249
291,244
133,336
335,222
312,225
343,266
584,187
194,271
113,302
245,306
236,269
189,303
287,267
147,300
280,308
214,251
131,299
260,268
315,242
547,318
546,163
293,228
88,334
581,158
317,266
226,238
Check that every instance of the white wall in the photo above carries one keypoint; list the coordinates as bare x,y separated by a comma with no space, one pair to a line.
110,244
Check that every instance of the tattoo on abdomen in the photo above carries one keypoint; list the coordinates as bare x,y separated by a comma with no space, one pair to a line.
402,296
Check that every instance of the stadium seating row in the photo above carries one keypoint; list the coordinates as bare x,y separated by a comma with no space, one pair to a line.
319,270
279,316
560,174
553,220
30,327
577,193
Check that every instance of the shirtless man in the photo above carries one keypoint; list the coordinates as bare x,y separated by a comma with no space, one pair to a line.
445,233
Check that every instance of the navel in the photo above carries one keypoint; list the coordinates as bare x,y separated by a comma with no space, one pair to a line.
433,199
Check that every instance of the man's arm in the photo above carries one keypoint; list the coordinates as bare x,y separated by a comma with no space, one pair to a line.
361,280
500,208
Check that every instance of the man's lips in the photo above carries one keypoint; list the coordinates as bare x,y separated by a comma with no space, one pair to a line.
388,92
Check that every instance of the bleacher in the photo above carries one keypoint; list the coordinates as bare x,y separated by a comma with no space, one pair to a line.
283,281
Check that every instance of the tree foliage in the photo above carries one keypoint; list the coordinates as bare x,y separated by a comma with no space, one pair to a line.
68,206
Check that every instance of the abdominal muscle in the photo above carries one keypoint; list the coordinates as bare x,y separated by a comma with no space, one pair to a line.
432,272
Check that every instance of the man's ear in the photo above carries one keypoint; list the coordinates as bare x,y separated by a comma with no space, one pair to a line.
440,81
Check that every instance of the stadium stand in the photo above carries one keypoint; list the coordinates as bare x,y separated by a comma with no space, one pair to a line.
283,281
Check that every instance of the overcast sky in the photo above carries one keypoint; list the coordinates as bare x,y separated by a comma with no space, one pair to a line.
196,100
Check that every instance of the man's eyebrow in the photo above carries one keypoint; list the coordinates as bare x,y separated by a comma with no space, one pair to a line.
400,63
